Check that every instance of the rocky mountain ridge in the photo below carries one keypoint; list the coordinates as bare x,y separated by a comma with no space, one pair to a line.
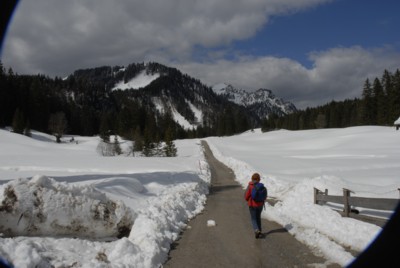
262,101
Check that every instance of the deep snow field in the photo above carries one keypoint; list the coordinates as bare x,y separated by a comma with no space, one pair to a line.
65,205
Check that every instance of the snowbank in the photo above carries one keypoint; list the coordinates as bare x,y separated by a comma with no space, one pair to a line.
93,211
292,163
41,206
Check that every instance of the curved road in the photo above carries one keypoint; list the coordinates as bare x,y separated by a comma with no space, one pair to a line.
231,242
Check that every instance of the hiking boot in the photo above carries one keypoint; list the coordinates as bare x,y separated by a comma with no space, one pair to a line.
257,234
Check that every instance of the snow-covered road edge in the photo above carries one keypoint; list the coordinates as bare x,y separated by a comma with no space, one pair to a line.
163,220
328,243
156,226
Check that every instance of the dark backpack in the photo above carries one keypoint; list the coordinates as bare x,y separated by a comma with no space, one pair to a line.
259,192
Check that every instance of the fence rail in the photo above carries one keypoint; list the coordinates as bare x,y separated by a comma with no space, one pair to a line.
347,201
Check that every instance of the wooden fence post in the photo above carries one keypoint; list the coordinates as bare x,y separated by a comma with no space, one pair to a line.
315,195
326,193
346,195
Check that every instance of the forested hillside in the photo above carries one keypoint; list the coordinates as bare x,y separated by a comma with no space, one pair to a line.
379,104
88,103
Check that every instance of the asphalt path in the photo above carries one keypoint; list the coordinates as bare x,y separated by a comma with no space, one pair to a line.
231,242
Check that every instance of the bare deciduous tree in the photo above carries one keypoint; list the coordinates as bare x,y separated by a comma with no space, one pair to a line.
57,125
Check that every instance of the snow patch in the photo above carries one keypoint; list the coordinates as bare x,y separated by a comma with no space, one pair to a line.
211,223
140,81
181,120
197,113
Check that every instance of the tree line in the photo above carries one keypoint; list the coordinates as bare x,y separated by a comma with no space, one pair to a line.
379,104
86,104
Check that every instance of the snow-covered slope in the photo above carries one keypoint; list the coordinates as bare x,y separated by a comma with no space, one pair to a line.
163,106
140,81
262,101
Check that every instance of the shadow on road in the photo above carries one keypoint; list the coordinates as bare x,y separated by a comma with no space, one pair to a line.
280,230
216,189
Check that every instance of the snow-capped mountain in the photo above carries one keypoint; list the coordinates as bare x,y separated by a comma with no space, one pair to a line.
262,101
191,104
144,100
164,90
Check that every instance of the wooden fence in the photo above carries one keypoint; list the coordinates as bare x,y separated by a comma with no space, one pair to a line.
348,201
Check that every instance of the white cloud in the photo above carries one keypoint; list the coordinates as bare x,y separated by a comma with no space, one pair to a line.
336,74
65,35
56,37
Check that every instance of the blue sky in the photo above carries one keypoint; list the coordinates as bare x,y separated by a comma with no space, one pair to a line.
306,51
342,23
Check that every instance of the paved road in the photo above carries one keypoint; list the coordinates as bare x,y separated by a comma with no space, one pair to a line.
231,242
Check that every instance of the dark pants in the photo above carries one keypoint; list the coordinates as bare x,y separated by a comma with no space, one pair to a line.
255,213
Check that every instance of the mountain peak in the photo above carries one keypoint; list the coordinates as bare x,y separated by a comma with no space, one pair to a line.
219,87
262,101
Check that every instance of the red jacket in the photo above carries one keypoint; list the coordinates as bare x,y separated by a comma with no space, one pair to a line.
247,196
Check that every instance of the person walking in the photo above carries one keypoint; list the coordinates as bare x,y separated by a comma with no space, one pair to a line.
255,195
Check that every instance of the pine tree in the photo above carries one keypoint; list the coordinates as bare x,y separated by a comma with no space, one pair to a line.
391,84
170,149
3,97
380,102
137,140
396,97
320,121
158,148
104,128
368,105
18,124
147,144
